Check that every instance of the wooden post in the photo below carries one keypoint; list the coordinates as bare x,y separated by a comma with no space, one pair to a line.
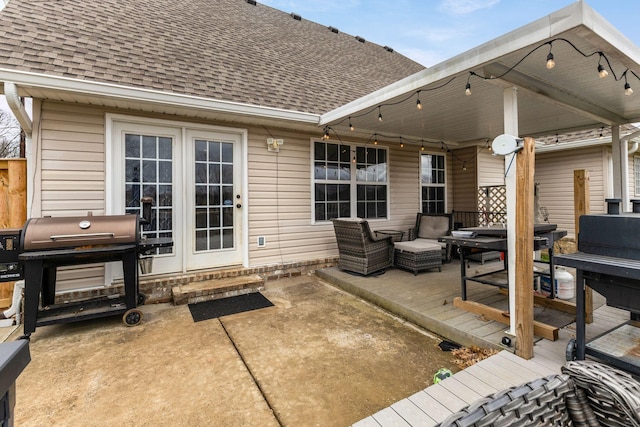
581,207
13,193
525,166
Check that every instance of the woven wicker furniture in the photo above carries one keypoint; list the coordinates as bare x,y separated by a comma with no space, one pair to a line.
359,250
431,226
542,402
417,255
586,394
611,396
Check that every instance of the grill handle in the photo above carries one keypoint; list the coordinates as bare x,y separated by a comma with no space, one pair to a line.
81,236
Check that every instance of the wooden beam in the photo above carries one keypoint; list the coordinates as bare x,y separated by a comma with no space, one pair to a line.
540,329
555,303
554,95
581,207
525,161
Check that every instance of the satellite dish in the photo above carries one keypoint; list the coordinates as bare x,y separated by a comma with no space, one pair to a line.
505,144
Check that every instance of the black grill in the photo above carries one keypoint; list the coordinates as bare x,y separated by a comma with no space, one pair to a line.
48,243
608,261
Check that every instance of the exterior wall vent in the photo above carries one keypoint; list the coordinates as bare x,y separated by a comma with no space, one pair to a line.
252,2
296,16
388,49
360,39
333,30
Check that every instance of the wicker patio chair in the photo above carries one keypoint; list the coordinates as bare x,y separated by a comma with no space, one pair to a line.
359,250
613,396
430,227
541,402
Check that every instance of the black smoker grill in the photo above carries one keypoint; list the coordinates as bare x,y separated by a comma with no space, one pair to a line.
48,243
608,261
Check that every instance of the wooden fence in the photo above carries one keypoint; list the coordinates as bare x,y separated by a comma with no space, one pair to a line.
13,207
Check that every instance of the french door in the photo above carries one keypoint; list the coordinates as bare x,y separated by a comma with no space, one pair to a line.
194,178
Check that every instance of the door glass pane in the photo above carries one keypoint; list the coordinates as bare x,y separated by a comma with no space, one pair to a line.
214,202
149,173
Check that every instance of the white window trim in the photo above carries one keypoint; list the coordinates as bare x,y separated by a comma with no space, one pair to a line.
446,177
352,182
636,175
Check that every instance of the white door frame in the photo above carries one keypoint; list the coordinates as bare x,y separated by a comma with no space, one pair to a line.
114,167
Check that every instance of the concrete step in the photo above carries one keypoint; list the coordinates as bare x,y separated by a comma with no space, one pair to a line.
207,290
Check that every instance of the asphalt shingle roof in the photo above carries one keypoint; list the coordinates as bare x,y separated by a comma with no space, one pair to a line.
219,49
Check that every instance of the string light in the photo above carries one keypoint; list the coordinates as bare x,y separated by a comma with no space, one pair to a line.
375,139
464,166
467,88
550,61
422,147
603,71
601,130
627,87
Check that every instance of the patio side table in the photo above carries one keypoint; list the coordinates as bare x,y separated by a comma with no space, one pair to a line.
397,235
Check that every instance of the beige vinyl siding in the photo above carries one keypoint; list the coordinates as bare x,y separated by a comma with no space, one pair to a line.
465,182
554,174
72,170
72,160
490,169
279,199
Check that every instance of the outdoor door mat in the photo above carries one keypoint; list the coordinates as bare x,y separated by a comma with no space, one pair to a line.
225,306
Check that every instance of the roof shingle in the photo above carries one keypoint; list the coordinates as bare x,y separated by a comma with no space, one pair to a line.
224,49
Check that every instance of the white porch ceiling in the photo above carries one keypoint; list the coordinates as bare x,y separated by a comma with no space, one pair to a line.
569,97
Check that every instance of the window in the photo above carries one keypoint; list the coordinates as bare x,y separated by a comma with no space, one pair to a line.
636,175
349,181
432,183
148,173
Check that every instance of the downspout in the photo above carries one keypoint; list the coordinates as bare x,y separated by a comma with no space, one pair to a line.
626,151
18,110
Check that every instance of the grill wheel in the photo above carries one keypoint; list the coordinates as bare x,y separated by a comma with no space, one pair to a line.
132,317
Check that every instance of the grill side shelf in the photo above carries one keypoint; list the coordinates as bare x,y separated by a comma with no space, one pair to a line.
621,267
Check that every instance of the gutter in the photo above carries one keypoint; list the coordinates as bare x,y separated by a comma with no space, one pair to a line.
13,100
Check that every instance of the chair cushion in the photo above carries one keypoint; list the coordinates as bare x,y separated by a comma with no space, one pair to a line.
432,227
417,246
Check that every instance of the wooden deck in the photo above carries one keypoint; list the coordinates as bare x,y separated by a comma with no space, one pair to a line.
426,300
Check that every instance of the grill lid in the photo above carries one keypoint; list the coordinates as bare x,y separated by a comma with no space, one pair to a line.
79,232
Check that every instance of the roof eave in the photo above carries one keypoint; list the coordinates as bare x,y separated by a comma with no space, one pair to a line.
107,90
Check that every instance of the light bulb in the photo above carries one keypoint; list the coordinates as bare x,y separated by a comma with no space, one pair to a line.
422,148
627,89
550,61
379,117
467,90
402,145
602,72
419,104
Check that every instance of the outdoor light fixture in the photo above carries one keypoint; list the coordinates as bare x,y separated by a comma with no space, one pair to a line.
627,89
550,61
467,89
325,136
379,114
418,103
602,72
422,147
350,125
274,144
375,139
401,144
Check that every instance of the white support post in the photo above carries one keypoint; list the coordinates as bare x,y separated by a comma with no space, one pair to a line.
510,96
616,154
